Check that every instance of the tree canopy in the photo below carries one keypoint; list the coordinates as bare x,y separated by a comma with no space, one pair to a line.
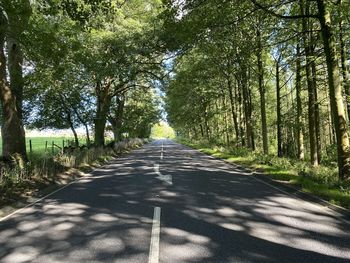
269,76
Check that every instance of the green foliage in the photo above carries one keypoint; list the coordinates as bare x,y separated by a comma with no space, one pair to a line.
162,130
141,113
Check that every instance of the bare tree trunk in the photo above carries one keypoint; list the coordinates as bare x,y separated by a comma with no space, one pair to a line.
317,113
311,89
233,110
262,92
240,119
299,119
225,120
247,112
279,118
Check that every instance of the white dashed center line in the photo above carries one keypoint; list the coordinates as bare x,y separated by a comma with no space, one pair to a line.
154,246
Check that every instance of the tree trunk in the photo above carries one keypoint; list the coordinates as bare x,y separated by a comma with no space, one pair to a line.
81,119
202,130
103,105
117,119
233,110
71,125
279,119
311,89
247,113
299,119
251,112
13,135
88,141
226,135
345,71
335,89
239,106
262,92
317,113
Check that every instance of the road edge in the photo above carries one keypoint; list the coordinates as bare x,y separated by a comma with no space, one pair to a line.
288,189
30,201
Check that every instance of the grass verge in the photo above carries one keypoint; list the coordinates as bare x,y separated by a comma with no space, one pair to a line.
321,181
43,174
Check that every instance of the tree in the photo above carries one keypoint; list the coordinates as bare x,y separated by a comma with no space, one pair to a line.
141,112
13,22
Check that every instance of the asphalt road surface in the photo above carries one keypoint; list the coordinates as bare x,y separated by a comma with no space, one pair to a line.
167,203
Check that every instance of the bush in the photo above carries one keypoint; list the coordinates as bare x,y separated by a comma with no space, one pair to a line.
239,151
330,158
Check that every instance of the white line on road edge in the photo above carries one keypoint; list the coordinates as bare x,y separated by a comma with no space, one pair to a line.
154,246
87,176
38,200
323,208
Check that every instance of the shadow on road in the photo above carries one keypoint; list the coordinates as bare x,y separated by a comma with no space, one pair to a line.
212,213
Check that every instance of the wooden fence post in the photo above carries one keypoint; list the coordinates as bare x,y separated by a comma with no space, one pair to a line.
30,146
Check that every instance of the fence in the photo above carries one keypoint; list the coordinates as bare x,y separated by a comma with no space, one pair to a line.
48,145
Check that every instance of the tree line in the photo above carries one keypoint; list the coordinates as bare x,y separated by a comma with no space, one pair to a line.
79,63
269,75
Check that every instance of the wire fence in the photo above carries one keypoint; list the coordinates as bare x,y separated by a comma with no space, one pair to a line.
49,145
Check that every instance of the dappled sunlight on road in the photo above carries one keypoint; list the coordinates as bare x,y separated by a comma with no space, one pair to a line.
212,213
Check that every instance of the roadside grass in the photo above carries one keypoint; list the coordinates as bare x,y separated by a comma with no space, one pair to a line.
321,181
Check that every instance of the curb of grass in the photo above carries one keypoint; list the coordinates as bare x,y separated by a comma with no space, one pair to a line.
55,186
290,189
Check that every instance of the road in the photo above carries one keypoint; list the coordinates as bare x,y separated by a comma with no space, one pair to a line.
167,203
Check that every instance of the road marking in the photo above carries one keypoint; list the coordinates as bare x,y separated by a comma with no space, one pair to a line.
154,246
162,152
323,208
156,169
40,199
165,178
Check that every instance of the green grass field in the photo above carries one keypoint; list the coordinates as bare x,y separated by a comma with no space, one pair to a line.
42,144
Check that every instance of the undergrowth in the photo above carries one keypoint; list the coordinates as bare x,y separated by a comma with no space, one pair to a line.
20,181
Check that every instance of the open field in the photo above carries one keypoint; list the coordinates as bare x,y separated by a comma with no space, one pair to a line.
40,145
